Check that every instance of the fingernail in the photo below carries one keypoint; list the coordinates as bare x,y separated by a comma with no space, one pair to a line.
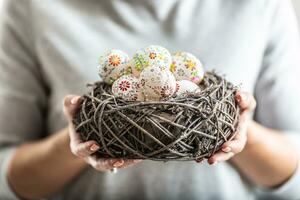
94,147
226,149
74,100
137,161
238,97
118,163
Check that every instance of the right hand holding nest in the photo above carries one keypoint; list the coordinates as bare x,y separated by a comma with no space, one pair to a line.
85,150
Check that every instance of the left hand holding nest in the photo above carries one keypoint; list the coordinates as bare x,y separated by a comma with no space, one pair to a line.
230,148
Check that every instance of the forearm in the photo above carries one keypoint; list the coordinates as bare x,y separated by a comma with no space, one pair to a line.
41,168
268,159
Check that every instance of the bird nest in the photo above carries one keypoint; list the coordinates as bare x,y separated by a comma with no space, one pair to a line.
182,128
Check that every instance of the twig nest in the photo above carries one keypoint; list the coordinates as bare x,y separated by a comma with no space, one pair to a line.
113,64
185,87
157,83
150,56
167,109
128,88
186,66
180,128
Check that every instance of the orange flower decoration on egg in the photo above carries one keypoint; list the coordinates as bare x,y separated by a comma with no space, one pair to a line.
124,85
190,65
114,60
152,55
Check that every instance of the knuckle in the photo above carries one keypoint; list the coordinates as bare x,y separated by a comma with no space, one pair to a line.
66,100
79,152
98,166
238,150
75,151
108,164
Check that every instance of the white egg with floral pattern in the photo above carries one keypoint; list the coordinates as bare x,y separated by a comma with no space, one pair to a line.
185,87
157,83
113,64
128,88
185,66
149,56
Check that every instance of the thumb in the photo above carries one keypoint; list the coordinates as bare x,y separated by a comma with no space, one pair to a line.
70,105
246,101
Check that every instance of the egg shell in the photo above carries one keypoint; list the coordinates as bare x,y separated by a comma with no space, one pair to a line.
113,64
127,87
157,83
185,66
185,87
149,56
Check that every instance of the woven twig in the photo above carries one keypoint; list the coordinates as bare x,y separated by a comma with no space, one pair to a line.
182,128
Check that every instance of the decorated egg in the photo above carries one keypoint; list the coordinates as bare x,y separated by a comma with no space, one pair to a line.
185,66
149,56
127,87
185,87
157,83
113,64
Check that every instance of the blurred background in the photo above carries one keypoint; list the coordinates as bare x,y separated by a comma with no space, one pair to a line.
296,4
297,7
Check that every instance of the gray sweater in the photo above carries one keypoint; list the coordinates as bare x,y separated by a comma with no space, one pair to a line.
50,48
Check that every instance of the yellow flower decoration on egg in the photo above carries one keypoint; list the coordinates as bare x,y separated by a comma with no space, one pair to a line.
190,65
186,66
173,67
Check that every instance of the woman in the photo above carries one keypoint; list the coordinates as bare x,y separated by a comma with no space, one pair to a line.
50,49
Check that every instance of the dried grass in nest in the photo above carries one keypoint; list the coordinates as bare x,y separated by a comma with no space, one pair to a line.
182,128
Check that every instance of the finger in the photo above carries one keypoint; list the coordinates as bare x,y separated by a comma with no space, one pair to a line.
234,146
219,157
71,104
103,164
237,144
130,163
246,101
75,138
84,149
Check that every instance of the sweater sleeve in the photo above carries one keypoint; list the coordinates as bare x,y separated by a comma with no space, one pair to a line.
22,92
278,86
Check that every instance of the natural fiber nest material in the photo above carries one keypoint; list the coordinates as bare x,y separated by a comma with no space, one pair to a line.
182,128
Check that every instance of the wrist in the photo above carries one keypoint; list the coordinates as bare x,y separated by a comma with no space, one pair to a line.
253,136
253,142
60,143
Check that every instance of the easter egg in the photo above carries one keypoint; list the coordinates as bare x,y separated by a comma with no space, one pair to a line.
149,56
185,87
185,66
127,87
113,64
157,83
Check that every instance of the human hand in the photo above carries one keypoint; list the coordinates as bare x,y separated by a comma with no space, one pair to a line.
247,104
85,150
